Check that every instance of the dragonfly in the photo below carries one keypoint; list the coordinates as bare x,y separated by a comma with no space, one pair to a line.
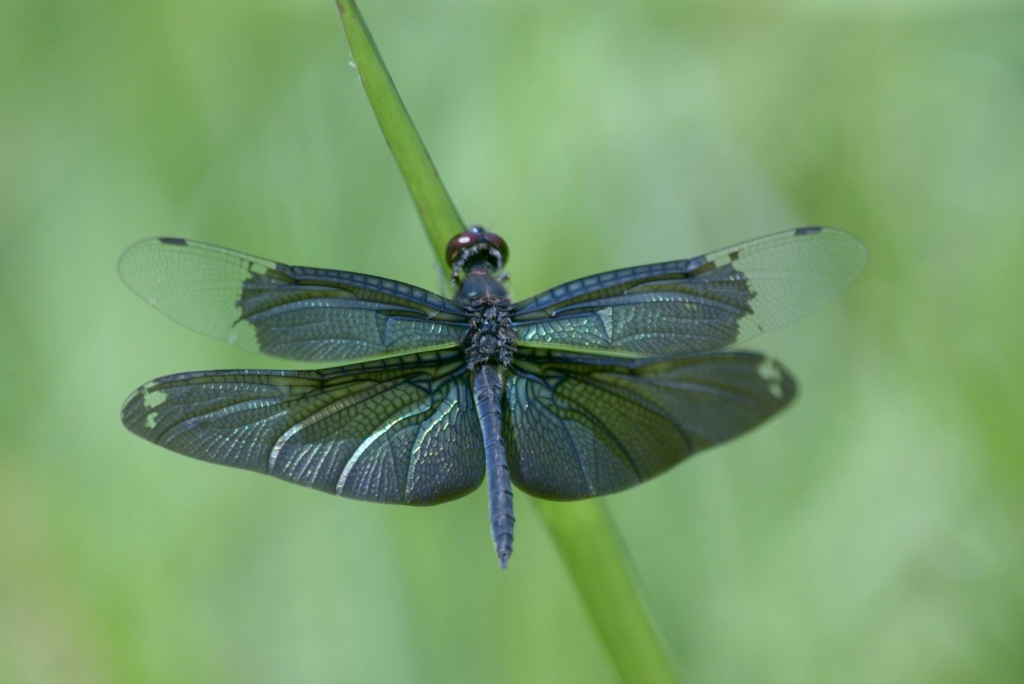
586,389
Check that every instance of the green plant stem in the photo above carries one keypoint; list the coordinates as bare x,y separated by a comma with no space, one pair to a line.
582,531
437,211
586,538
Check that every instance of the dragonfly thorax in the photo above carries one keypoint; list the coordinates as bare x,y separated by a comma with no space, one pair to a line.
491,339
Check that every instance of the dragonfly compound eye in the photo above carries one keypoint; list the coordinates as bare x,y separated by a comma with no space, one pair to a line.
475,241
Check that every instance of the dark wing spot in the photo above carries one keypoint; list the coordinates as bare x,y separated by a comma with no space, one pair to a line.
173,241
698,265
810,230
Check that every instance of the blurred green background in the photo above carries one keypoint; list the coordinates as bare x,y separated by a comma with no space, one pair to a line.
873,533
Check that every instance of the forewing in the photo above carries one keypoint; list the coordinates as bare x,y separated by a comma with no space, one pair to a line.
400,430
578,426
307,314
694,305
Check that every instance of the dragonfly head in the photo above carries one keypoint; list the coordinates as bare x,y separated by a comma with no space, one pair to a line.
476,248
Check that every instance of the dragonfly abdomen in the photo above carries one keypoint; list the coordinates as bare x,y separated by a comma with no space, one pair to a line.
487,391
